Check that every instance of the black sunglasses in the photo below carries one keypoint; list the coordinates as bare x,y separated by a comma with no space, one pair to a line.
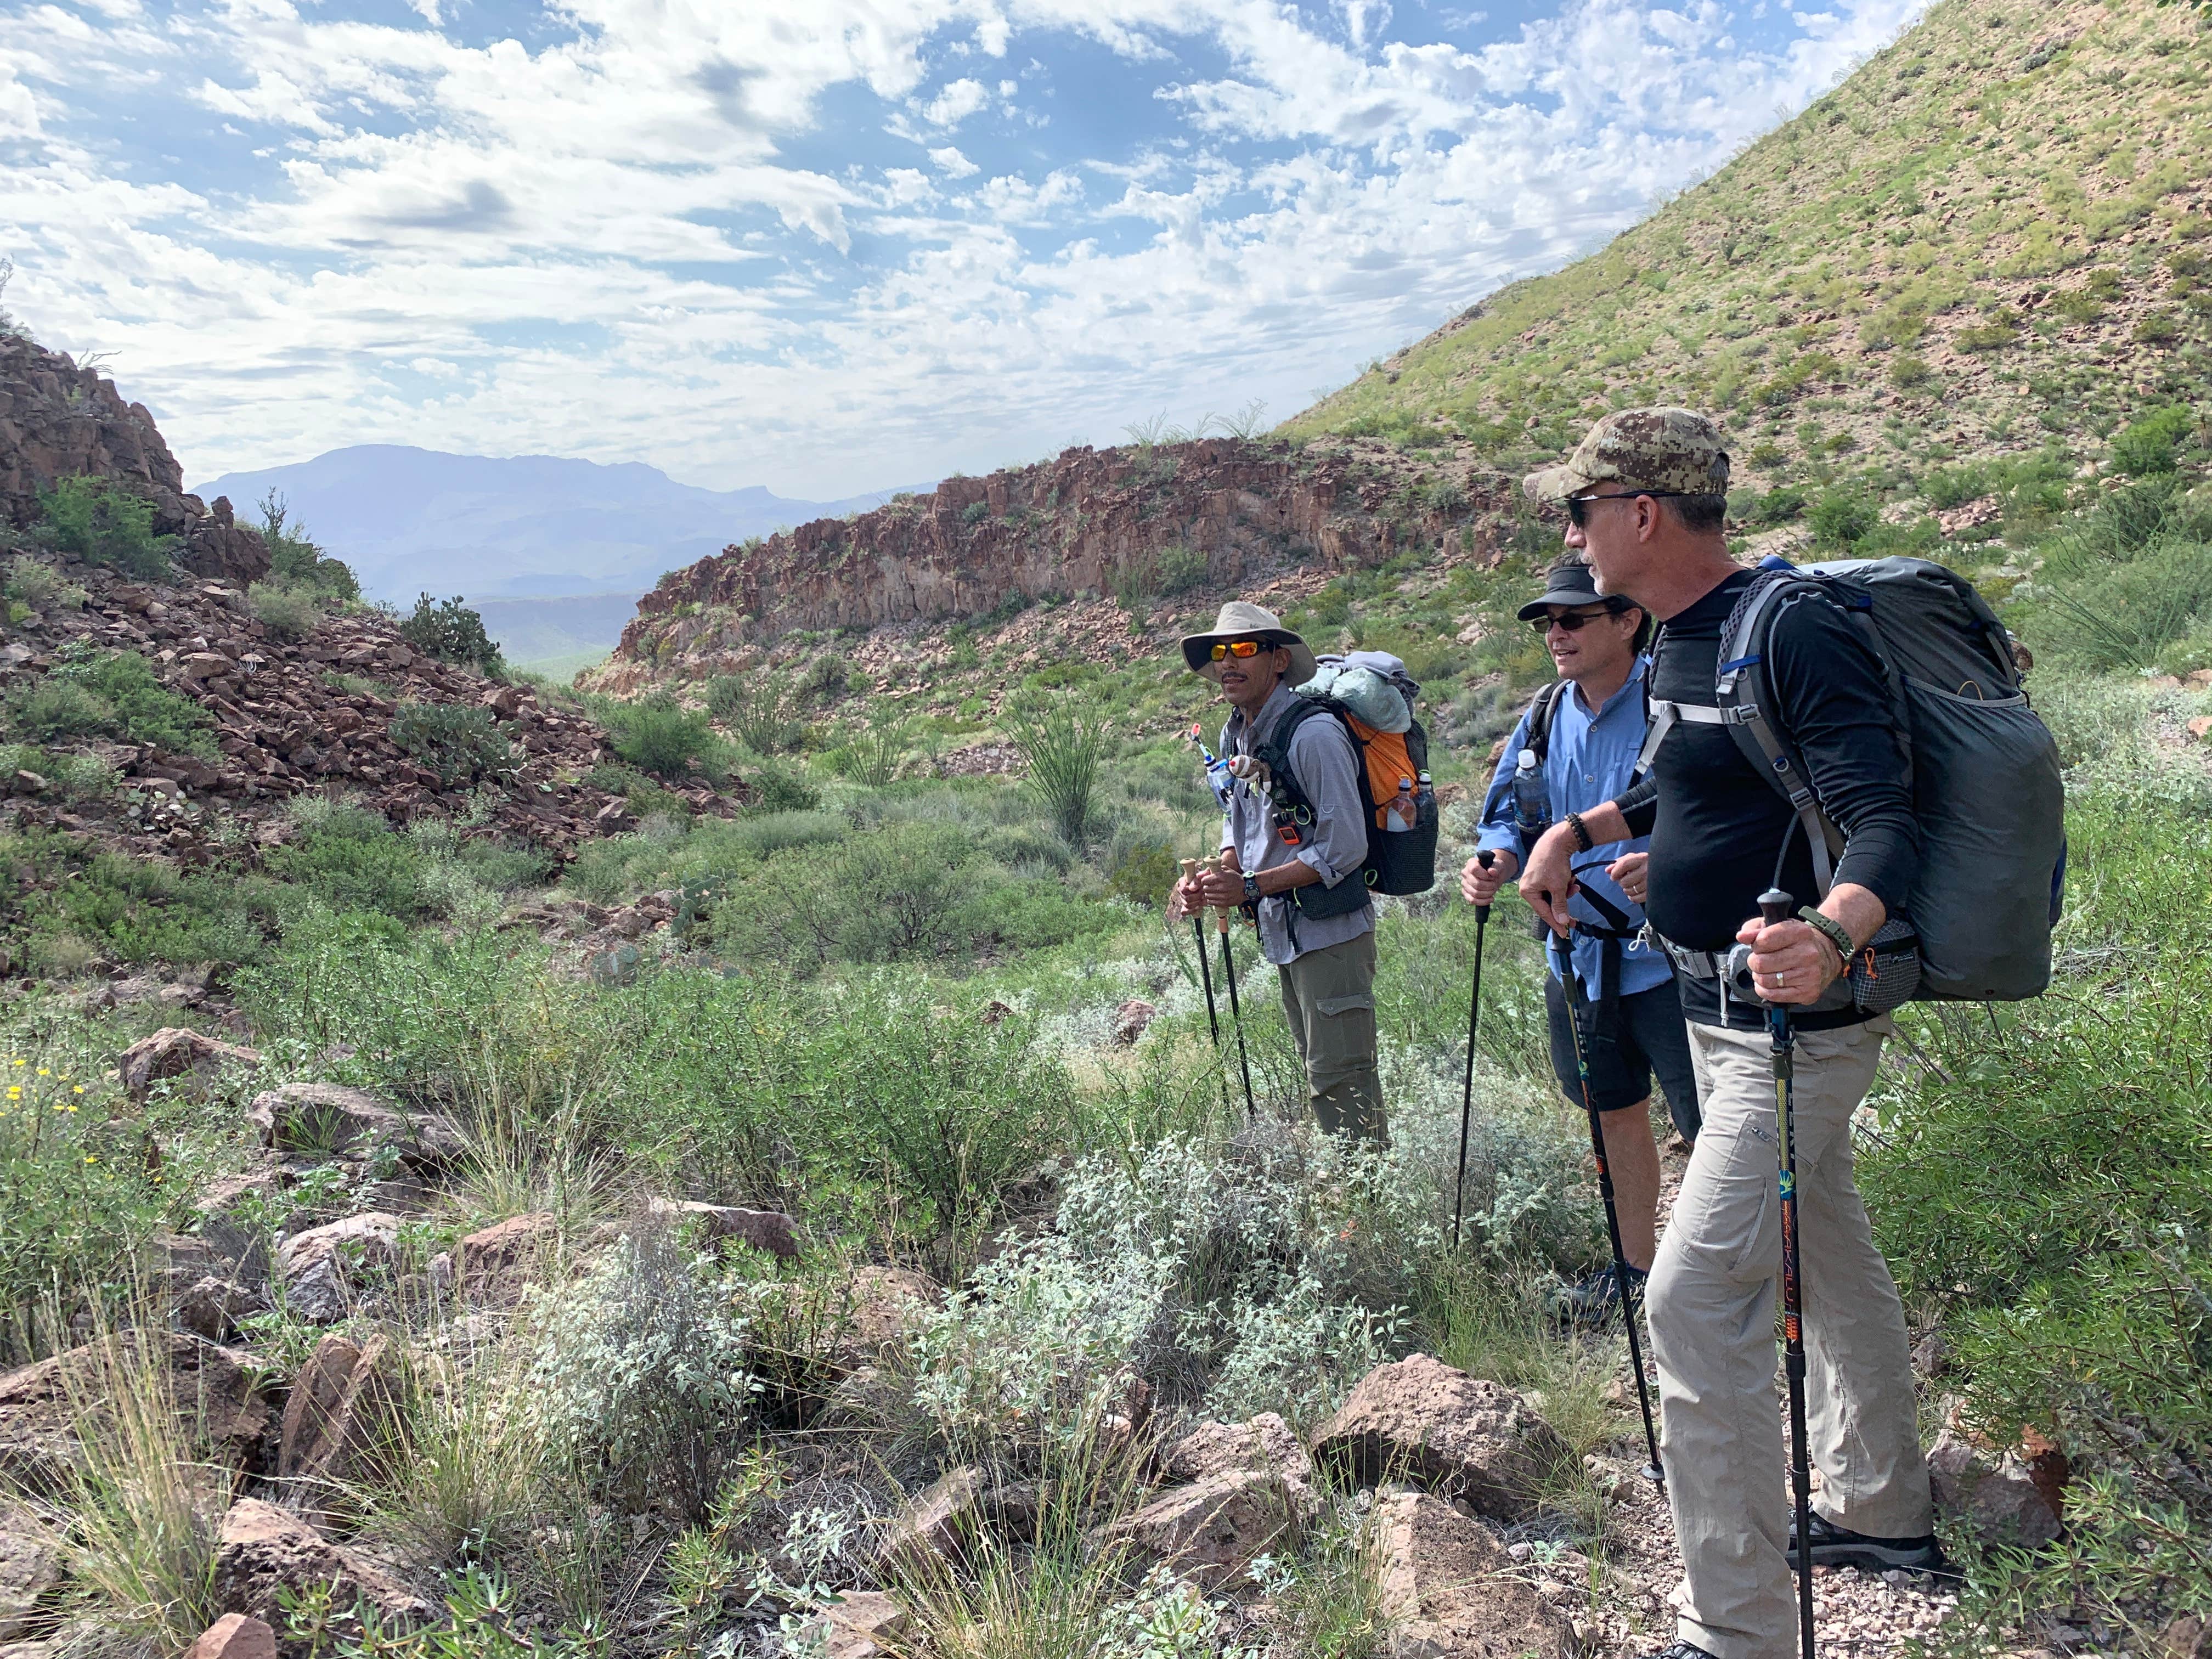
1578,506
1572,621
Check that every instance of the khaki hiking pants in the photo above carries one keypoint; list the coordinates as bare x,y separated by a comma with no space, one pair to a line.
1328,997
1712,1299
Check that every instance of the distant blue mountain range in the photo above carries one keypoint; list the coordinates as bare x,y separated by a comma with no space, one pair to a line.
414,521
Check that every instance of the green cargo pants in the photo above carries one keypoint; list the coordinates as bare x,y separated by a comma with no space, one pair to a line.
1328,997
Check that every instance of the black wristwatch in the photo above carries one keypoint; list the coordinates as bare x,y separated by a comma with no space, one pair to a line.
1251,888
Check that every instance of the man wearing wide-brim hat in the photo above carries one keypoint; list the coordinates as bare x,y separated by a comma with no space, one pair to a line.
1316,919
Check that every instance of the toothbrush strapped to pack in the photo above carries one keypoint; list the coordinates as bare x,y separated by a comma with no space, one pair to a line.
1216,770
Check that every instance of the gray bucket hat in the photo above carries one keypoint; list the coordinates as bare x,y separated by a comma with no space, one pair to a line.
1241,621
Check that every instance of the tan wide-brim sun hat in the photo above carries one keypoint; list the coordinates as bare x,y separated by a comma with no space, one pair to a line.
1240,620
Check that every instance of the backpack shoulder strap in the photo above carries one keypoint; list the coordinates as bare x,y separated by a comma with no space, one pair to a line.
1542,708
1744,693
1275,752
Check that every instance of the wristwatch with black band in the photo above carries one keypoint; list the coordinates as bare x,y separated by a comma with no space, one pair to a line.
1251,888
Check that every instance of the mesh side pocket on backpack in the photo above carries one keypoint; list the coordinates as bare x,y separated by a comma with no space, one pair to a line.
1885,971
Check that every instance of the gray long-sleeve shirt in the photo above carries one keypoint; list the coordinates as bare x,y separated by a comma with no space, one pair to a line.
1335,844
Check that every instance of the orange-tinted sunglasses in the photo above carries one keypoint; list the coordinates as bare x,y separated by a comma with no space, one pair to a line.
1238,648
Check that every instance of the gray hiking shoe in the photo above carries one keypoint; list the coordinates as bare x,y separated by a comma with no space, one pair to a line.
1596,1300
1839,1546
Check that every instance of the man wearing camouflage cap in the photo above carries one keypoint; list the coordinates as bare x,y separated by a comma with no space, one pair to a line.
1645,496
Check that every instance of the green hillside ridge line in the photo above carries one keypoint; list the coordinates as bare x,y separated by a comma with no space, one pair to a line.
1989,239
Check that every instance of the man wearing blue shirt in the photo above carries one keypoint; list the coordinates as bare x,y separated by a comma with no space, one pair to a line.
1624,993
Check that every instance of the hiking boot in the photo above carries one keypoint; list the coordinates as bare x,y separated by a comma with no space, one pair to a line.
1595,1299
1839,1546
1681,1651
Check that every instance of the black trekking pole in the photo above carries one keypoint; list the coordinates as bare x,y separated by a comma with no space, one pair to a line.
1235,1010
1205,978
1655,1471
1486,859
1777,906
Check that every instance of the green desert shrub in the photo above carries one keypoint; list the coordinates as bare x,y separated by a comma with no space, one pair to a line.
1842,517
91,692
460,742
757,710
289,610
297,562
37,586
642,1371
102,523
2153,444
450,631
658,735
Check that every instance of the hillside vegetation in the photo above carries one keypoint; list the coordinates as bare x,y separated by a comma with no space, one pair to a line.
1991,241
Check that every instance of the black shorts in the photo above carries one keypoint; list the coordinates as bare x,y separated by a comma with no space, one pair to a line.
1647,1035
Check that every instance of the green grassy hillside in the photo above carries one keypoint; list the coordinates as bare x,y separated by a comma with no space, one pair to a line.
1990,240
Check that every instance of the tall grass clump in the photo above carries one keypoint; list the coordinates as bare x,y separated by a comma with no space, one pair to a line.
1060,744
145,1503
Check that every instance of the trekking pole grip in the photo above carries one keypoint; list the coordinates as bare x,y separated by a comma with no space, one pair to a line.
1486,859
1775,905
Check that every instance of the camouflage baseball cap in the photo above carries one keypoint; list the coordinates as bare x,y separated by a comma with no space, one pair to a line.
1674,450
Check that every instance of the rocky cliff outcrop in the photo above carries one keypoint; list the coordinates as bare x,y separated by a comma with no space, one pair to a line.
1088,522
285,714
57,421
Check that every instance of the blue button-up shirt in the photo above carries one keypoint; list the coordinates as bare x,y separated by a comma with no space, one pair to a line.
1587,763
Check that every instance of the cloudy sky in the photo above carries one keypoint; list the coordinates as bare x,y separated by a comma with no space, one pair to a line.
826,245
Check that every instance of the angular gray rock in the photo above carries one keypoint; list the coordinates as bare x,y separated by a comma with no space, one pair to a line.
1211,1531
343,1401
217,1390
859,1626
173,1051
234,1636
325,1118
1265,1443
944,1521
770,1231
320,1267
30,1565
262,1549
1998,1497
1422,1421
1448,1588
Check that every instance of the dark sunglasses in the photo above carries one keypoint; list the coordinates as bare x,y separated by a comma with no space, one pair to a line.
1239,648
1572,621
1578,506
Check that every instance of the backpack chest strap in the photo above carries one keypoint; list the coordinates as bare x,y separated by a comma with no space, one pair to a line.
1664,717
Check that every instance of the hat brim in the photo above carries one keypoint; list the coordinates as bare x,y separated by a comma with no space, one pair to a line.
1572,598
1555,483
1198,651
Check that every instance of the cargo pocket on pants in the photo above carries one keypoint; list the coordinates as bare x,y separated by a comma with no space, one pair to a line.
1334,1005
1727,1214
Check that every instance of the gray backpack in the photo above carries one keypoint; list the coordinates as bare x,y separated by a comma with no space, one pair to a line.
1985,773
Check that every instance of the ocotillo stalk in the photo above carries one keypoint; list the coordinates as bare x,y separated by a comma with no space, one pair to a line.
1486,859
1776,906
1205,978
1224,863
